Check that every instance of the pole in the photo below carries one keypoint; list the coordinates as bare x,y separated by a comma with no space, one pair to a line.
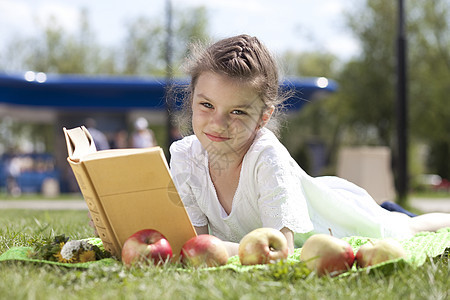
169,75
402,109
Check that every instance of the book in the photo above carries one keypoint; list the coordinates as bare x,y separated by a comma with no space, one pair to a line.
127,190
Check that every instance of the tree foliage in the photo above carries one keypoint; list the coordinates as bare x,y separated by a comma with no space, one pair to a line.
310,64
56,50
368,82
430,77
363,110
142,52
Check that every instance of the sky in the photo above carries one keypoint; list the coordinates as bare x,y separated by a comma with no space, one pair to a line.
297,25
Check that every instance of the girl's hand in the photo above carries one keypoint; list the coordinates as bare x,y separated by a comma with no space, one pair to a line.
232,248
290,238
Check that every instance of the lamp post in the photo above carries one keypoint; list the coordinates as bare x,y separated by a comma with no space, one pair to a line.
169,74
402,108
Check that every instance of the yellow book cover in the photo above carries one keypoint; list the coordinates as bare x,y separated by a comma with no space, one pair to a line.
127,190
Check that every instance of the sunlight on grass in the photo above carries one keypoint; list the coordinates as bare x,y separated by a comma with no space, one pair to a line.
41,281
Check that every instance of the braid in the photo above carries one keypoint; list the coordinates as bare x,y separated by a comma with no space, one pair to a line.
238,58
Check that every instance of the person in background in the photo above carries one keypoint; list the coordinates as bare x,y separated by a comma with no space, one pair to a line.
120,139
13,170
100,139
143,136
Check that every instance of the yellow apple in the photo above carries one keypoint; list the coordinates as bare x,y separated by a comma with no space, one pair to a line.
262,246
373,253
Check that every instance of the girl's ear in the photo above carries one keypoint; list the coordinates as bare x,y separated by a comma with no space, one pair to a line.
267,114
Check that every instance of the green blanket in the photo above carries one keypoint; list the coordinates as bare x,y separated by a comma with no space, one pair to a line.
418,248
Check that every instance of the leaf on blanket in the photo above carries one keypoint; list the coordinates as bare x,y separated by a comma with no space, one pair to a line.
21,254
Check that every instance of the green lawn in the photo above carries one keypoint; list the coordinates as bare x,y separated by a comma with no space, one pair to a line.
33,196
30,281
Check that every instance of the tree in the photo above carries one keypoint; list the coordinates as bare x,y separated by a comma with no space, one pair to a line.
316,125
143,47
430,77
367,83
310,64
55,50
362,112
144,53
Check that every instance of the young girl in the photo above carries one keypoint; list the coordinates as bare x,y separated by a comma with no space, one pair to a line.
233,174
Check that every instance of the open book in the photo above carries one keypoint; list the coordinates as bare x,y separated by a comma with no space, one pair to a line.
127,190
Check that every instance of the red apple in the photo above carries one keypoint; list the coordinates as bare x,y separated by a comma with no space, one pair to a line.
373,253
144,246
204,250
263,246
325,254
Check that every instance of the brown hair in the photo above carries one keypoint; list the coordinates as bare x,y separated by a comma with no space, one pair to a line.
241,57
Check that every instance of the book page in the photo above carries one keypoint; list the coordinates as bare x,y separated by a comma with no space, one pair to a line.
118,152
79,142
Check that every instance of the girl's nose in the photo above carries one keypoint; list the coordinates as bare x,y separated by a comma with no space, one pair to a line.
219,121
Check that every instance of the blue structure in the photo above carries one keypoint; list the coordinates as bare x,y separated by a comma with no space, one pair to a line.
66,92
67,100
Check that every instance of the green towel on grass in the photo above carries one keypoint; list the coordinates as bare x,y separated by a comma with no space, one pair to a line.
418,248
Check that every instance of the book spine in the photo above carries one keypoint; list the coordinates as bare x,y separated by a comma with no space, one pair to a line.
95,208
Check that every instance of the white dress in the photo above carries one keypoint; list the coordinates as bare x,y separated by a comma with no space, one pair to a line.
273,191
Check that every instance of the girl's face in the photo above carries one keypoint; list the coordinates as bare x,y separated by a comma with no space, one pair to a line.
226,115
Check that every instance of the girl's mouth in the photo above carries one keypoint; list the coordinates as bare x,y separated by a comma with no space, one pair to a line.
216,138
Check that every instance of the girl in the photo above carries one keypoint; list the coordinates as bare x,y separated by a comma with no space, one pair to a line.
233,174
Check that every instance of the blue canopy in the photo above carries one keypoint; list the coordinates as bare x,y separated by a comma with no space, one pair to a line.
64,92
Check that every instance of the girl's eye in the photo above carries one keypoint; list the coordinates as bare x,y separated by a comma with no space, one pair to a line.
238,112
207,105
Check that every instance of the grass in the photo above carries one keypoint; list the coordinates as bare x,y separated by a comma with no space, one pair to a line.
432,194
425,193
30,281
33,196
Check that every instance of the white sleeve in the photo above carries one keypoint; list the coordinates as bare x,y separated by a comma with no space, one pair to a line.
281,199
181,170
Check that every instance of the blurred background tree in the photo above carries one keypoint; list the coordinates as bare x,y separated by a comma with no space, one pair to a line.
363,110
141,53
430,81
55,50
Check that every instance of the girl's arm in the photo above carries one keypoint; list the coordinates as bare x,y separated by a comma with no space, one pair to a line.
232,248
201,229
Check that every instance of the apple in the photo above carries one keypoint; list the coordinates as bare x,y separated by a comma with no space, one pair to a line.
204,250
373,253
262,246
144,246
325,254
